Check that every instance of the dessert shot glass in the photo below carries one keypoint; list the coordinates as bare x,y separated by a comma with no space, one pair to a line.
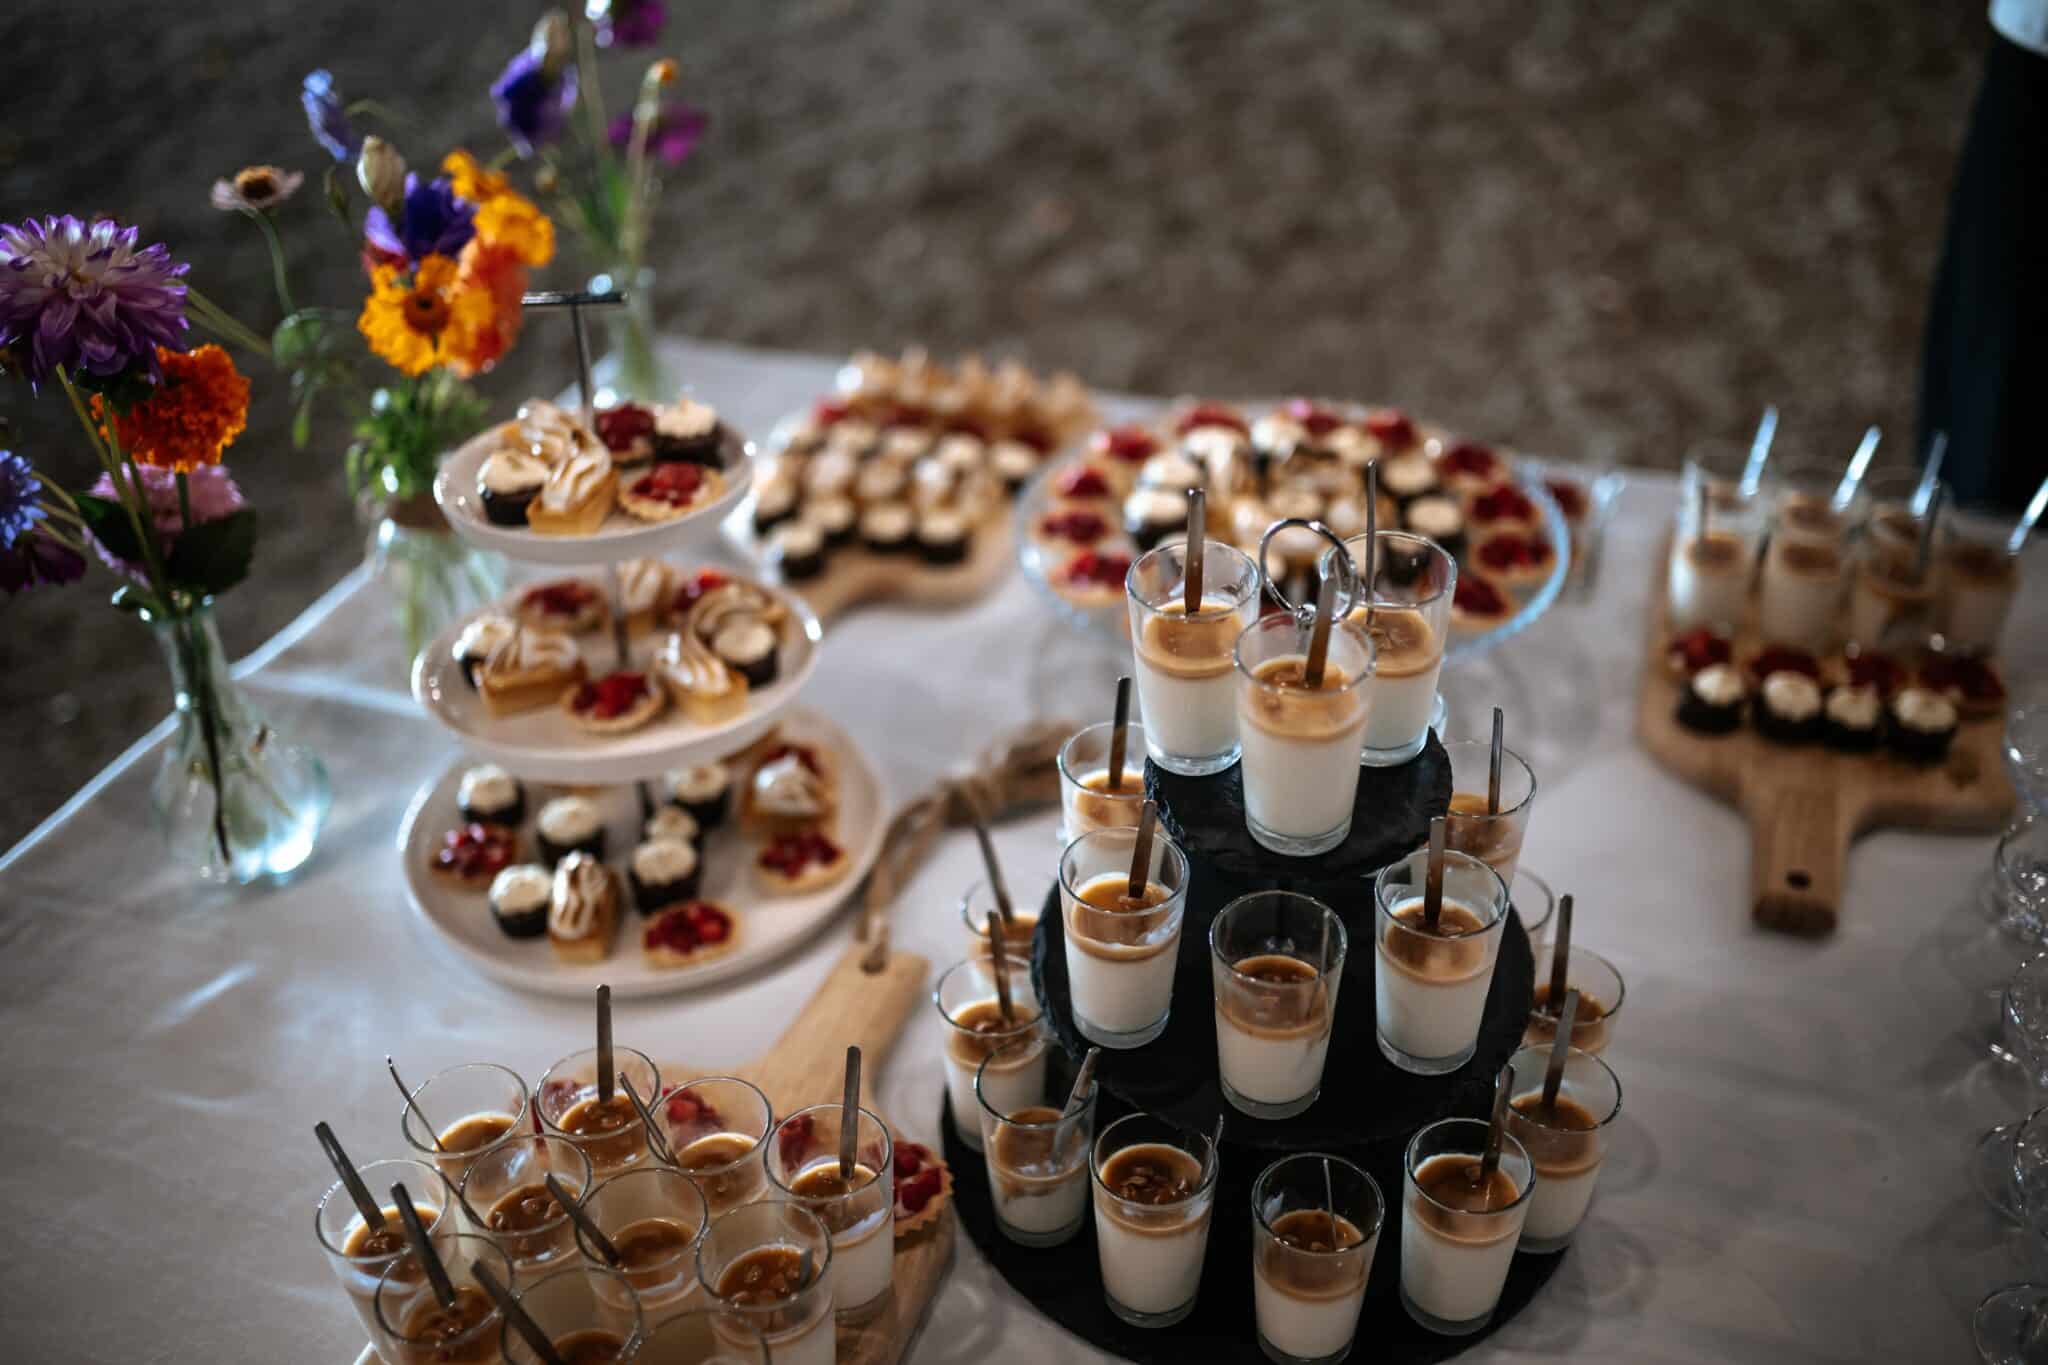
359,1254
860,1212
1494,836
1600,993
581,1321
1276,960
975,1029
977,903
750,1263
1414,580
1712,564
609,1131
1301,747
1155,1187
477,1106
1315,1227
1184,663
717,1126
1431,986
654,1217
1805,569
1533,901
1087,801
1566,1142
704,1336
1121,952
412,1326
1891,592
1457,1238
1037,1146
1976,580
506,1193
2006,1326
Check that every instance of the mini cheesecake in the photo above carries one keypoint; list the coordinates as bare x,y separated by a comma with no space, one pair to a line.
797,550
775,501
476,641
886,527
1441,519
804,860
672,822
702,791
1788,708
1711,703
615,704
748,645
572,605
1469,467
662,872
669,490
583,909
1852,719
689,431
473,853
686,934
942,536
834,516
490,795
569,824
628,433
507,483
519,900
1921,724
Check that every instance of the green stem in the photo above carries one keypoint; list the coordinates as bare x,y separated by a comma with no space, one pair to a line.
107,446
184,501
590,90
277,273
225,324
199,669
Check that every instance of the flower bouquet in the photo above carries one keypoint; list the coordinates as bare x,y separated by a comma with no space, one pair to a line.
86,311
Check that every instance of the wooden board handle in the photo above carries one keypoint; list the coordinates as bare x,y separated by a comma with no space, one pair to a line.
852,1006
1799,847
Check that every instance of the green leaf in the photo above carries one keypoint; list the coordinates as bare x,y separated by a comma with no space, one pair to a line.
299,339
214,556
109,524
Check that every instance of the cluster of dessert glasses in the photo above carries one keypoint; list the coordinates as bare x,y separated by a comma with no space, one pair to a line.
626,1222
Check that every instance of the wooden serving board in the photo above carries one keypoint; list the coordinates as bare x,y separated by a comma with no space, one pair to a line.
807,1065
1806,804
854,575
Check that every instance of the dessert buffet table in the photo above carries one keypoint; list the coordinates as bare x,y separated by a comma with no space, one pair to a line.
1788,1179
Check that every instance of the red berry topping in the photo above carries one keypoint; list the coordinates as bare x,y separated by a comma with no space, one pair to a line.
475,850
564,597
794,1136
703,582
960,424
910,1156
1477,597
829,411
789,854
1969,679
1569,496
1079,527
675,483
1700,648
1211,415
1871,669
1104,570
900,415
1130,444
1081,482
1038,438
687,1107
621,426
611,696
1315,419
1392,426
1515,552
1470,457
1503,503
913,1194
1780,659
685,929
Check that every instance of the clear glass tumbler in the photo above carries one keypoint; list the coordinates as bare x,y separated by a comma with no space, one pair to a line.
1276,960
1301,744
1155,1187
1182,662
803,1166
1037,1145
1431,982
1458,1237
1414,581
1121,950
1315,1228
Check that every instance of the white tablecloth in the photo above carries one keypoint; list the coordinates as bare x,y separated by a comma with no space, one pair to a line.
1788,1178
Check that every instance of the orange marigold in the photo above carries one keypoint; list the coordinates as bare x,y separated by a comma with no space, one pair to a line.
416,322
504,217
496,273
190,417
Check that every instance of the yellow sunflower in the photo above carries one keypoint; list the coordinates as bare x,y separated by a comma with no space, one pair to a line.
504,217
413,323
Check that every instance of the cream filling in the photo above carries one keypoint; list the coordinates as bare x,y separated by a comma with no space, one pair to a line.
521,890
489,786
568,820
661,861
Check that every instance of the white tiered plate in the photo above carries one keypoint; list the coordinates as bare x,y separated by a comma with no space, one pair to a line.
768,925
620,537
546,745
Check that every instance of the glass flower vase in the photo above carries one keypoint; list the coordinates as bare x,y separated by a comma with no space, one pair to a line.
631,368
434,576
233,799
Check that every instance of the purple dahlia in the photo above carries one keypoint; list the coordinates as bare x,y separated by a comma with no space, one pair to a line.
82,296
533,102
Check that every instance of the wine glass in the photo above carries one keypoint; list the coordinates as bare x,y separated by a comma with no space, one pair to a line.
2023,1007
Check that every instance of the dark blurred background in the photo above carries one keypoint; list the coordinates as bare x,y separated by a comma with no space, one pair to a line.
1601,230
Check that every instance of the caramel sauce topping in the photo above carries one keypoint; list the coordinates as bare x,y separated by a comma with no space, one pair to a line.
1589,1025
1321,1274
980,1029
474,1132
764,1275
1274,995
1809,516
1198,646
1454,953
1452,1181
823,1181
1152,1173
1114,893
1987,565
1029,1152
1715,551
1287,706
591,1346
1469,828
430,1323
706,1160
523,1210
1403,642
364,1240
648,1244
608,1131
1803,557
1561,1140
1108,922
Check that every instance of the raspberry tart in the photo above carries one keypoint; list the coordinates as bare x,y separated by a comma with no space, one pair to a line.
1092,578
668,490
687,934
569,605
805,860
924,1186
473,853
1520,560
1478,603
615,704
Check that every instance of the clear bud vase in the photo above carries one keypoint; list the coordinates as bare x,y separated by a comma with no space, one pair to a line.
434,576
631,369
234,800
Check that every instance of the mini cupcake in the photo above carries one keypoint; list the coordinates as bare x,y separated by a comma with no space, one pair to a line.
854,435
519,900
569,824
961,453
628,433
1788,708
701,792
662,872
1441,519
797,550
903,446
687,430
835,518
507,483
1852,720
1712,701
880,481
775,502
942,536
1922,723
1276,436
476,641
491,794
1013,462
830,475
1407,477
672,822
748,646
1172,471
1153,514
886,527
1353,448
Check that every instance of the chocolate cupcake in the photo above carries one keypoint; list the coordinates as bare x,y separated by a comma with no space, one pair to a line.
880,481
961,454
701,792
1788,708
835,518
492,795
1441,519
1711,703
1852,720
662,872
672,822
886,527
797,550
569,824
1013,462
942,537
1921,724
748,646
477,640
774,503
905,445
519,900
687,430
1407,477
507,483
1172,471
1153,514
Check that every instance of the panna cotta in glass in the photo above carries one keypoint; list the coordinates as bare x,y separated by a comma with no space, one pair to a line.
478,1106
1155,1187
1891,591
976,1028
506,1191
360,1254
857,1208
585,1325
977,903
1120,948
1600,993
1978,581
1038,1151
654,1217
1414,581
704,1336
1276,960
1431,980
1459,1231
572,1105
1805,566
717,1127
414,1328
1494,837
1315,1228
1184,662
1712,563
1301,741
1092,796
1565,1140
751,1263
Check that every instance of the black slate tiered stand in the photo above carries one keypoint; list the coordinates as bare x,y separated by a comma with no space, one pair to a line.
1368,1110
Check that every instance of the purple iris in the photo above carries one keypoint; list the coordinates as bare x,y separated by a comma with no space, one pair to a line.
328,117
83,297
677,130
627,23
532,104
432,221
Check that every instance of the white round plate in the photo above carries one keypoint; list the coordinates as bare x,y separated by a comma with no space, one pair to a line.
768,925
620,537
546,745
